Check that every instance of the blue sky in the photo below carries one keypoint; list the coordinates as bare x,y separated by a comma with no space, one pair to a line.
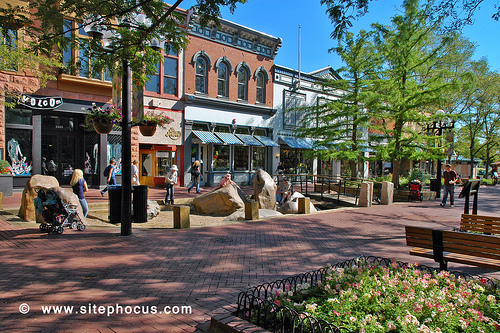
281,18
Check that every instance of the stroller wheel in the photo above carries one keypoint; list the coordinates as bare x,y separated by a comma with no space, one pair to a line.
73,225
42,227
81,227
60,230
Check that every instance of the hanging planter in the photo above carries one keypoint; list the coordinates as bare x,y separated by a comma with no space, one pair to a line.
102,128
149,129
103,119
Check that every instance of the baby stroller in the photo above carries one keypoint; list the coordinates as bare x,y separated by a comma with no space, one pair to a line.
415,190
56,213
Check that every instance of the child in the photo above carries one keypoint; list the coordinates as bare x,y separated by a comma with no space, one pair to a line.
171,180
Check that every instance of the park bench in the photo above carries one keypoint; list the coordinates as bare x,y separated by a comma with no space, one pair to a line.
454,246
487,225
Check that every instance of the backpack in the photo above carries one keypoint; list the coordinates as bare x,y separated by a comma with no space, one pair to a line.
106,171
195,171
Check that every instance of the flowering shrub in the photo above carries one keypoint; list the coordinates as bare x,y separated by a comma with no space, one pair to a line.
111,114
368,297
158,119
5,167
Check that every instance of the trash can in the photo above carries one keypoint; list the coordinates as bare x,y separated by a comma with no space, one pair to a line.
140,203
115,203
434,185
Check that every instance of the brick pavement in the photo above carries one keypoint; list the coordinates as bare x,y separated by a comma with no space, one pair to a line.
204,268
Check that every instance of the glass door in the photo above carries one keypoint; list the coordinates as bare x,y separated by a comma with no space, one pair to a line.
147,168
60,152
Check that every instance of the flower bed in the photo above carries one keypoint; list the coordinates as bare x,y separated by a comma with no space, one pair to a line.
375,295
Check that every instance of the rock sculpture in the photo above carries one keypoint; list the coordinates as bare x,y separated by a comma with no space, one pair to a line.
27,209
222,201
291,206
153,209
264,189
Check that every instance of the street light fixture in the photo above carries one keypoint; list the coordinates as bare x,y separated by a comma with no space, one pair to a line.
437,128
97,31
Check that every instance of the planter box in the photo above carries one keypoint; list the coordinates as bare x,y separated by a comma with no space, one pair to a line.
6,184
402,195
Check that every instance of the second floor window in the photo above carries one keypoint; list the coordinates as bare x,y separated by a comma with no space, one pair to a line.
242,84
164,79
201,75
261,88
222,72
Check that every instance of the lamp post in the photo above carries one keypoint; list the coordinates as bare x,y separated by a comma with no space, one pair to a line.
437,127
96,31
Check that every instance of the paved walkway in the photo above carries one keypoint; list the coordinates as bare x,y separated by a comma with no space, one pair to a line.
202,268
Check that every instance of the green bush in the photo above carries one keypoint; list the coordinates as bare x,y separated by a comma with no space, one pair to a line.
419,174
5,167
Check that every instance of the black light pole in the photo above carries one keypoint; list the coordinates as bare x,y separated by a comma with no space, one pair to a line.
126,216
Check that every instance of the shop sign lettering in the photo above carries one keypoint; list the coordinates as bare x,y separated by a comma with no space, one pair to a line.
173,134
41,103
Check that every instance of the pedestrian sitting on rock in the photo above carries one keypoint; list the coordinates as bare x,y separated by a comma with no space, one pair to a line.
226,181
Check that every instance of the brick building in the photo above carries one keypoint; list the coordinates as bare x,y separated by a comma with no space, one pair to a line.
229,100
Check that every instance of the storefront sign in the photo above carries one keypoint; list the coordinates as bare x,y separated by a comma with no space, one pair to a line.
41,103
173,134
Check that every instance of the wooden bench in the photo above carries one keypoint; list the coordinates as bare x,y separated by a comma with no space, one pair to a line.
454,246
488,225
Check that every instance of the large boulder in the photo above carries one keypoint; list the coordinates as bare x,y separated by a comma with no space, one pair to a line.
291,205
153,209
264,189
222,201
27,209
263,214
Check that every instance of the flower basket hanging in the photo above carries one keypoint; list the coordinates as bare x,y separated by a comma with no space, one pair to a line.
151,121
102,127
103,120
149,129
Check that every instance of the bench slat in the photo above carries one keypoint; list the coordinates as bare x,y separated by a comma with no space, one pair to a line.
480,223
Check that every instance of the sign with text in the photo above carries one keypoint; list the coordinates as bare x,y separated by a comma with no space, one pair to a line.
41,103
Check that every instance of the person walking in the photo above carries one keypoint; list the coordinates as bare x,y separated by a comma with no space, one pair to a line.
79,186
196,176
170,180
135,172
450,178
110,173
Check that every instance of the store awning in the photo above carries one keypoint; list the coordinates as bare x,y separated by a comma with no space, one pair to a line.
312,142
266,141
206,137
228,138
295,143
248,139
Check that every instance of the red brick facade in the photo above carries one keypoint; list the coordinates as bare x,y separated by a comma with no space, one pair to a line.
235,56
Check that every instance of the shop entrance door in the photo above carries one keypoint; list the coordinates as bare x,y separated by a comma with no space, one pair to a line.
62,150
147,168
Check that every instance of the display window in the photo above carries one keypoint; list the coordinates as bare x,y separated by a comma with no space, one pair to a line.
221,158
258,158
241,158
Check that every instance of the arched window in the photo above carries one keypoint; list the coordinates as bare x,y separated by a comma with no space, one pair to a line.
242,83
201,75
261,88
223,79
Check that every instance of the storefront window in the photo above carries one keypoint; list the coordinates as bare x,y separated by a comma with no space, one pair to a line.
19,116
258,157
221,158
164,161
91,164
241,158
19,150
115,151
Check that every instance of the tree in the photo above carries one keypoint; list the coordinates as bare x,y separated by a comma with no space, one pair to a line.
458,12
410,83
341,124
15,54
127,37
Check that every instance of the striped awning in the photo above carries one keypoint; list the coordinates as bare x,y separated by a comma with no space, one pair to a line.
266,141
312,142
248,139
228,138
295,143
206,137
